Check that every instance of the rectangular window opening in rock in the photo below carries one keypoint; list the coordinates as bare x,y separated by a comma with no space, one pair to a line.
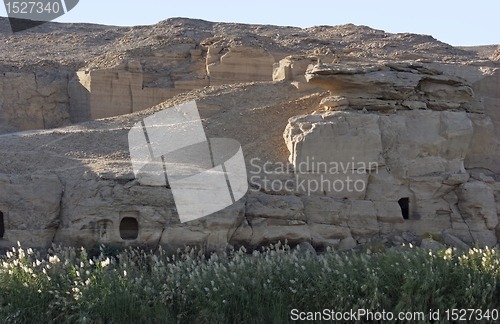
129,225
404,204
2,227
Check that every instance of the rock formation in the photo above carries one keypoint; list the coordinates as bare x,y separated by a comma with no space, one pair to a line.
79,72
33,101
350,135
405,131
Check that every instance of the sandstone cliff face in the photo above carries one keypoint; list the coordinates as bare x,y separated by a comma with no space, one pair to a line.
419,152
33,101
84,173
87,72
30,208
406,169
397,150
416,156
124,89
112,92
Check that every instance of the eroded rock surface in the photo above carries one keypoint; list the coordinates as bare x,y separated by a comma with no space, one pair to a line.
404,146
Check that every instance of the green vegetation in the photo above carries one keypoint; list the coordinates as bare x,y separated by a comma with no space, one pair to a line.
137,286
434,237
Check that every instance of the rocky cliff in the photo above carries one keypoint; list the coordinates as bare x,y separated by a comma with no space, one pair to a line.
349,134
78,72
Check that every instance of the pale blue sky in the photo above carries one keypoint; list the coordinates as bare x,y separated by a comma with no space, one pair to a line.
454,22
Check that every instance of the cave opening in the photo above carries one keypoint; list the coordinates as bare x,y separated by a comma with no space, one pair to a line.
2,227
404,204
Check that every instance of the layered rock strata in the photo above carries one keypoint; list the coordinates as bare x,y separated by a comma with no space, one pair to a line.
404,146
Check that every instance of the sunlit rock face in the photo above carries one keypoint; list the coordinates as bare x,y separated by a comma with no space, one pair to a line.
361,135
405,131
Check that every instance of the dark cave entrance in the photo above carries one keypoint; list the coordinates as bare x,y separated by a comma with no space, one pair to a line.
2,227
404,204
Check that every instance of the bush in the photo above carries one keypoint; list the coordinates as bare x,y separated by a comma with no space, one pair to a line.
66,286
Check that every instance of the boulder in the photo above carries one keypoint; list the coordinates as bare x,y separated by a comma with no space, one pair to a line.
430,244
454,241
347,244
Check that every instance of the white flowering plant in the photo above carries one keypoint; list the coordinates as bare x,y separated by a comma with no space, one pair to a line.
138,286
